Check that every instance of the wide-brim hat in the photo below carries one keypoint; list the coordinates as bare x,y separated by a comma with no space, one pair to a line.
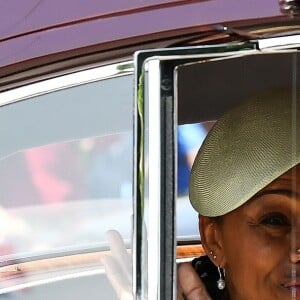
247,148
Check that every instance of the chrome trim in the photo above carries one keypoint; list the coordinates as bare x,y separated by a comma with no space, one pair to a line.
206,56
25,257
282,42
53,279
155,195
65,81
230,55
175,124
135,250
184,260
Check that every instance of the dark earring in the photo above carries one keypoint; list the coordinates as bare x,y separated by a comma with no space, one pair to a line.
221,281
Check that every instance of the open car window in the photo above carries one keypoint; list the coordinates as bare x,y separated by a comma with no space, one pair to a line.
66,165
187,90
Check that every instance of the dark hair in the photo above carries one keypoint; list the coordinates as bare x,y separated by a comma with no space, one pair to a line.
209,275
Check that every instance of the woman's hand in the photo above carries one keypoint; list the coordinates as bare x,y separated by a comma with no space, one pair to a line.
118,270
190,284
118,266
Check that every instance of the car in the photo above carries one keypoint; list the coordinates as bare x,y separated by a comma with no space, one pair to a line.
96,100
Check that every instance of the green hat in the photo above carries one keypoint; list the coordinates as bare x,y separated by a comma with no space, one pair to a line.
247,148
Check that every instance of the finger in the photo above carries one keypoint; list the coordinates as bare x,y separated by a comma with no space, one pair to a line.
119,282
191,284
119,252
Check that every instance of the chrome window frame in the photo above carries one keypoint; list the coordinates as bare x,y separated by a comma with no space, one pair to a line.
157,282
65,81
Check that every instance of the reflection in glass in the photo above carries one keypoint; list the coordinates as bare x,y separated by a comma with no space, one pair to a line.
190,138
88,181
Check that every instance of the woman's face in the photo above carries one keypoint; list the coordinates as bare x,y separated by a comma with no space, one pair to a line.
259,243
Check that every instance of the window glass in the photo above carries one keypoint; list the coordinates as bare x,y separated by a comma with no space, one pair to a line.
88,180
66,166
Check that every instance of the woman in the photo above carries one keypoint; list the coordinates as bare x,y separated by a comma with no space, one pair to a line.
245,185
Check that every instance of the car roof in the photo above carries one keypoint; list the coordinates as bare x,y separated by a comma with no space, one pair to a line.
31,28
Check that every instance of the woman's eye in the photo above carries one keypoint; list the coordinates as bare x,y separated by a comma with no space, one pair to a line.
275,220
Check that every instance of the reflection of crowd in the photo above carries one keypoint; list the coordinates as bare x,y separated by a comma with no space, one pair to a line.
110,170
190,138
92,168
54,169
48,174
98,167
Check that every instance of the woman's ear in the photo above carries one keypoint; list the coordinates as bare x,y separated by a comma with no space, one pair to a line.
211,240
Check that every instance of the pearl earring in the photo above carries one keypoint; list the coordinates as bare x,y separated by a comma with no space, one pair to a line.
221,281
214,256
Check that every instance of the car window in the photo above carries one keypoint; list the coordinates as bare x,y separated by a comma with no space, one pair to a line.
174,94
66,165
